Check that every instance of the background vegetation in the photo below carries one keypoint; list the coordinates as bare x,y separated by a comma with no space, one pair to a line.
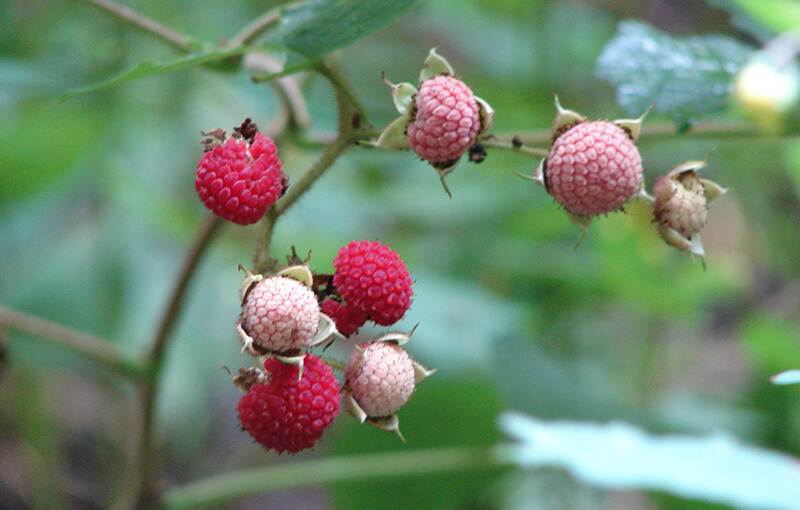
98,212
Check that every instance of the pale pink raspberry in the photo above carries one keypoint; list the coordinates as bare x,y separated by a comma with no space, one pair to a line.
446,120
380,378
280,314
680,203
593,168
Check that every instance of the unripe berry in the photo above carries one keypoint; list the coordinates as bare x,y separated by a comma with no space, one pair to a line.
446,120
593,168
380,378
680,203
280,315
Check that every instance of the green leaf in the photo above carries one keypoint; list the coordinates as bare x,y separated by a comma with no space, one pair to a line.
620,456
317,27
148,69
684,77
779,15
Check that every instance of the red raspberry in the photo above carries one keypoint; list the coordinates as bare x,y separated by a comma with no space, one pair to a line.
380,378
371,277
280,314
240,180
346,318
593,168
287,414
446,120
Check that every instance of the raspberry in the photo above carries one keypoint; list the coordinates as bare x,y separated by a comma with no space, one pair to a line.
346,318
380,378
280,314
287,414
371,277
680,203
593,168
446,120
239,179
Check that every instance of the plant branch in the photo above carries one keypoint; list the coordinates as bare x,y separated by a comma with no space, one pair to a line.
533,152
145,24
341,86
97,349
348,135
144,470
217,490
255,28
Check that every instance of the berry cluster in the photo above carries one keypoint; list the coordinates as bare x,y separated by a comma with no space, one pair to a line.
290,402
594,168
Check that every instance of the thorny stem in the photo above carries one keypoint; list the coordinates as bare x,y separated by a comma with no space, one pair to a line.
98,349
348,135
144,469
331,72
145,24
223,488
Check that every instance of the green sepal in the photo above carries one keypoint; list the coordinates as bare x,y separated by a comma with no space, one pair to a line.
352,408
713,190
300,273
486,115
403,95
387,423
634,126
434,65
421,372
394,136
565,117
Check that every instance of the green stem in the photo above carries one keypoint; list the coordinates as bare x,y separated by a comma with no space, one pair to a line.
340,84
533,152
347,137
258,26
144,467
95,348
145,24
214,491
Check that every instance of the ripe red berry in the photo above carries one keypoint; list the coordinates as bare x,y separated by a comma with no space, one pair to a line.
287,414
346,318
446,120
240,179
593,168
371,277
279,315
380,378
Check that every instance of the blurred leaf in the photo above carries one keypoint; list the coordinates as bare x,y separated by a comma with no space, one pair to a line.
442,412
54,139
149,69
621,456
771,342
318,27
779,15
786,377
686,77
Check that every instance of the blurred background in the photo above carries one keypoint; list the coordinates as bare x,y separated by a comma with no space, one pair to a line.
97,209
